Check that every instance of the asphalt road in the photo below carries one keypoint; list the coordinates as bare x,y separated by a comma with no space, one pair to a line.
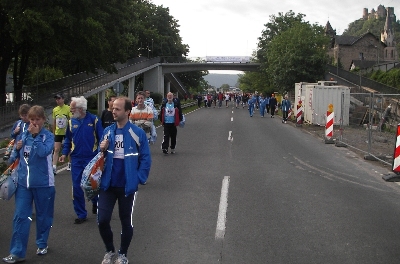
240,190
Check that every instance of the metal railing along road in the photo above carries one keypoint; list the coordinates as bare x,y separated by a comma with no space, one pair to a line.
42,94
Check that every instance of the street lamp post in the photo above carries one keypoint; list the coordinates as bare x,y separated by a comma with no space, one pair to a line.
337,61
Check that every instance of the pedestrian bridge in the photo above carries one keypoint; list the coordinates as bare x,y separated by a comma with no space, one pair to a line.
158,77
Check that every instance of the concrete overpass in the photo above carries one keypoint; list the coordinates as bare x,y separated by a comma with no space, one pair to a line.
89,84
154,76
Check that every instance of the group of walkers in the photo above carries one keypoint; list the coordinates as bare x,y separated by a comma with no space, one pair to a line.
122,134
253,101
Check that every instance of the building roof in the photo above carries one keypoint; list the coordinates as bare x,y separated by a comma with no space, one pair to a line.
351,40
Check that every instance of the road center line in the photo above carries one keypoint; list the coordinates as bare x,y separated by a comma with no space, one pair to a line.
230,136
223,206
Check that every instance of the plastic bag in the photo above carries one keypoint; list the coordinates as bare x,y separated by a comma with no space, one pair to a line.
9,149
182,123
8,171
91,176
9,181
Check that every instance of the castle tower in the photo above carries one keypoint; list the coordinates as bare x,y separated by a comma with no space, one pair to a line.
365,14
387,37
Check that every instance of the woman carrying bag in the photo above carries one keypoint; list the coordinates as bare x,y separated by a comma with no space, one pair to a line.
35,185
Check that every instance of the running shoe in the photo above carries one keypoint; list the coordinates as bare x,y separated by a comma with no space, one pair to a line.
69,166
121,259
79,221
108,258
41,251
13,259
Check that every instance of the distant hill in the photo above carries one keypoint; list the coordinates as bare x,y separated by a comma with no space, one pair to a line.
217,80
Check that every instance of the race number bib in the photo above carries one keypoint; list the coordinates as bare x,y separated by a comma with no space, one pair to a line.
169,111
27,151
119,147
61,121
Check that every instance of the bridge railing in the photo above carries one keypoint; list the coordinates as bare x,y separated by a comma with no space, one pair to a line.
356,78
43,94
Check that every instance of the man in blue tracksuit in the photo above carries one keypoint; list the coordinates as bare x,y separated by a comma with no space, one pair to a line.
286,107
263,102
127,165
252,102
81,141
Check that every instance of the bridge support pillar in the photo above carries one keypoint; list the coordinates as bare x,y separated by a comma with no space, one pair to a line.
168,87
154,80
101,100
131,88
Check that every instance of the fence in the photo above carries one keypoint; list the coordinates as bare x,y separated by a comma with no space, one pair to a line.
373,120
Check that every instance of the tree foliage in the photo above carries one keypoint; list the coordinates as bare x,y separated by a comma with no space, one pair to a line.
71,36
290,50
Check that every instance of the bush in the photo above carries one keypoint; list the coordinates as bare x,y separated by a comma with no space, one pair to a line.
4,143
3,167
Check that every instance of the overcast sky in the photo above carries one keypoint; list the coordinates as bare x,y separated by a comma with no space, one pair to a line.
232,27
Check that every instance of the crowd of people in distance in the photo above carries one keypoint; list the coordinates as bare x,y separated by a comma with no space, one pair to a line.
253,101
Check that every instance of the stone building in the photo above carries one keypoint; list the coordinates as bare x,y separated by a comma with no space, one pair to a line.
387,37
367,49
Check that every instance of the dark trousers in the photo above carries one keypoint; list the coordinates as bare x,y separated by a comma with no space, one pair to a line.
272,110
170,132
106,205
285,115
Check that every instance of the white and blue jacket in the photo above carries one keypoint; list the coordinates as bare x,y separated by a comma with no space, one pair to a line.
137,158
35,169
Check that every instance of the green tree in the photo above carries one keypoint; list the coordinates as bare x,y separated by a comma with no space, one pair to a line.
297,54
60,35
275,26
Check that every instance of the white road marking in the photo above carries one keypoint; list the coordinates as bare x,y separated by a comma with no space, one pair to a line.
230,138
223,206
231,119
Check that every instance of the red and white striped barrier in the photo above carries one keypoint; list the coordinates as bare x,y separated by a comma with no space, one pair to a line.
299,114
289,115
329,124
396,157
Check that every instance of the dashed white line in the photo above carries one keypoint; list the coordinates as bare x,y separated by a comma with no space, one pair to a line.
223,206
230,138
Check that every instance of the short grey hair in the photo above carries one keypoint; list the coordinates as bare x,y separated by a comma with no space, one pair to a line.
80,102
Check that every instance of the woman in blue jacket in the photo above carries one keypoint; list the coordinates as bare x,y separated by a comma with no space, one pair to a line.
35,184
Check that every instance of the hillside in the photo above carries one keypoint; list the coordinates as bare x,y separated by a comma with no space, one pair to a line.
217,79
375,26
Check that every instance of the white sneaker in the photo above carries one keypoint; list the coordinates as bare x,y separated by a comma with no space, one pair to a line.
69,166
108,258
54,169
121,259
